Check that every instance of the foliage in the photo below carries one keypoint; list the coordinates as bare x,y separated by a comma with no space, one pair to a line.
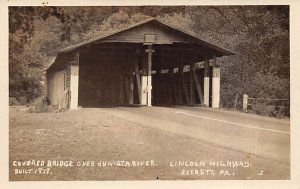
116,21
13,101
179,20
27,57
259,36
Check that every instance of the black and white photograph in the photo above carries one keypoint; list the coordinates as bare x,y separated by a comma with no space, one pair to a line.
149,92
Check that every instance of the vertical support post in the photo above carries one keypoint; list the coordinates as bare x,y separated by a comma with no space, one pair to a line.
245,102
131,88
198,86
215,84
126,86
206,83
144,81
149,78
138,79
180,73
74,82
131,83
121,94
192,85
175,94
172,85
143,90
185,89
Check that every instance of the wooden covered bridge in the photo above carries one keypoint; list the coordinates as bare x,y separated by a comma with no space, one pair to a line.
149,63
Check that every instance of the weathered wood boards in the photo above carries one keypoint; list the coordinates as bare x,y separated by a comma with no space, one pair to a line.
206,83
198,86
138,79
74,80
123,80
215,84
182,88
149,51
111,66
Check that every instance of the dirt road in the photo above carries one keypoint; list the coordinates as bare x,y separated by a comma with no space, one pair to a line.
147,143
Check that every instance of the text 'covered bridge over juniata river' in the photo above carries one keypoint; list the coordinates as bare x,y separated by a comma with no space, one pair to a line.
149,63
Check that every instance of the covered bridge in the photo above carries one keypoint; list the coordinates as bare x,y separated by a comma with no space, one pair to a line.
149,63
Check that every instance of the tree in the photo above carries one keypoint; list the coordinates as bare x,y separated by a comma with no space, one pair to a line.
259,36
26,61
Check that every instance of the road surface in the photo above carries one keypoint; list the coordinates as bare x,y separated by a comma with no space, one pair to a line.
169,136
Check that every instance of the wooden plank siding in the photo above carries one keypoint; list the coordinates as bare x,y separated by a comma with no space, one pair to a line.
57,88
68,86
136,35
110,66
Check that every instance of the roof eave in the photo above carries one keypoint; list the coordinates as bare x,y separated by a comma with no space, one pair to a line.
201,41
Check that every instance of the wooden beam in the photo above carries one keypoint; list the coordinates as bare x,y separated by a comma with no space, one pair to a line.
126,86
170,88
187,49
159,65
205,52
185,90
215,102
131,83
124,70
175,88
192,84
206,83
149,79
180,72
144,67
130,89
138,79
198,86
74,81
214,60
121,94
174,58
